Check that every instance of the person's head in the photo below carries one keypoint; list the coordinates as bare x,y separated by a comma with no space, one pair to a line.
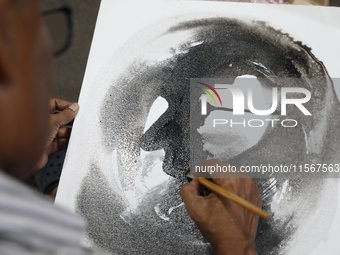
25,61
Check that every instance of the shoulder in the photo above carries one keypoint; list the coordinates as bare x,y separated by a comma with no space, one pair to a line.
29,220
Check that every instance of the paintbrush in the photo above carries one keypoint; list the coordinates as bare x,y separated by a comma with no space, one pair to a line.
231,196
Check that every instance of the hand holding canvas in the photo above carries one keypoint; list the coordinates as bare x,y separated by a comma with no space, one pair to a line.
58,134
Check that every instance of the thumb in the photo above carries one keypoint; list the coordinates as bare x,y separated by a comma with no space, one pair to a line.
190,193
67,115
195,204
42,162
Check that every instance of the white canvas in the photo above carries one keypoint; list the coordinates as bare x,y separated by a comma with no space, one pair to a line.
131,204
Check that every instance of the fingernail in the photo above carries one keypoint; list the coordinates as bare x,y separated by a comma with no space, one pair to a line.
74,107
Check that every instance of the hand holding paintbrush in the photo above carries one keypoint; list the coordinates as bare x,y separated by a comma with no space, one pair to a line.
228,226
233,197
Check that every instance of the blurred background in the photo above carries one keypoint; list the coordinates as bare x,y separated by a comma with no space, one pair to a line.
334,2
70,67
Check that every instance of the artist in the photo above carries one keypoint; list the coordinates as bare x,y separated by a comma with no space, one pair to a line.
29,224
